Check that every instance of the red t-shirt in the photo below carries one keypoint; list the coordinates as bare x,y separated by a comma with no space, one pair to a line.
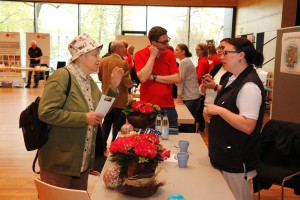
202,68
215,60
153,91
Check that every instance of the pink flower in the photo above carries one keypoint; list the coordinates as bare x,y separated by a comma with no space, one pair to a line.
136,106
143,147
165,154
146,109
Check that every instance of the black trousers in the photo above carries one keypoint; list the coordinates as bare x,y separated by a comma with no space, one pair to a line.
115,119
36,75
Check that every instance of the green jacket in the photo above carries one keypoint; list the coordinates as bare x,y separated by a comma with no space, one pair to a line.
63,152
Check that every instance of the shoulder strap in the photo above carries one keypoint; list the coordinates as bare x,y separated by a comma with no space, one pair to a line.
67,95
34,161
68,87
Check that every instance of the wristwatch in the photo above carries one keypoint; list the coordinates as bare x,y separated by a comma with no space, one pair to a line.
154,77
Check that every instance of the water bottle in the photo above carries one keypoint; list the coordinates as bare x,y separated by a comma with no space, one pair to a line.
165,127
158,123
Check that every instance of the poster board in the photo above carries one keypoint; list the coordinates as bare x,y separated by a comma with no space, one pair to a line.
10,56
286,95
43,42
139,42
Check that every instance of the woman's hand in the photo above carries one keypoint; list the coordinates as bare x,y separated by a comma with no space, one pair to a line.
209,111
93,118
208,82
116,77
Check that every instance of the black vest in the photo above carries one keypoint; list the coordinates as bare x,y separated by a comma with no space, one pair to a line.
229,148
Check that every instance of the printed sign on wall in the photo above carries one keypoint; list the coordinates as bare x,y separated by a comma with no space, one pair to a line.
10,54
290,54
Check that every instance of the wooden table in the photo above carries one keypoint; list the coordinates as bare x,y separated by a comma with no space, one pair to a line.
198,181
184,115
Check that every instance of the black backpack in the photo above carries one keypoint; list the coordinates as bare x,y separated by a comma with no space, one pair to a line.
35,131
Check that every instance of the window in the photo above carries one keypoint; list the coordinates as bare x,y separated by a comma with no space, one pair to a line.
60,20
209,24
189,25
134,18
174,19
17,17
102,22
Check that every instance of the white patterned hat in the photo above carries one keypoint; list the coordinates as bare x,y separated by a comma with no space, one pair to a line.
82,44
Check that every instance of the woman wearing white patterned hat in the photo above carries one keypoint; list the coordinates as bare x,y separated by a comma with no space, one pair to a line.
67,157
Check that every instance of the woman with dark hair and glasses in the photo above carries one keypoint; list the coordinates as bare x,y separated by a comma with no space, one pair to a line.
235,119
211,82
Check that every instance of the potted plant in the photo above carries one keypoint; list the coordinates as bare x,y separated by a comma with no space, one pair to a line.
141,114
138,156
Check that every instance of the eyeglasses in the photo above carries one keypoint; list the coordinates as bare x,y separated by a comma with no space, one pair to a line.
227,52
198,49
165,42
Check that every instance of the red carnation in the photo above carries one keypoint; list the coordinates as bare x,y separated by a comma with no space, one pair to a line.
136,106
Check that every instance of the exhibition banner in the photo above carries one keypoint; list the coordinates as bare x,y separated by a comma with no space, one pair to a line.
10,54
43,42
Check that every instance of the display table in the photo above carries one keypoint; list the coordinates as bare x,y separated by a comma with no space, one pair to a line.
198,181
17,70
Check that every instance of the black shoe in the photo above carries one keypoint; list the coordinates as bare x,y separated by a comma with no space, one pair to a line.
27,86
35,86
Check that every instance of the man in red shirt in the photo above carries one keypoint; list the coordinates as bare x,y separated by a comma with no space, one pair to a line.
157,71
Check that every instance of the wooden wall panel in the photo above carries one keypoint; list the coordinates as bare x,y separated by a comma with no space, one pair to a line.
221,3
289,13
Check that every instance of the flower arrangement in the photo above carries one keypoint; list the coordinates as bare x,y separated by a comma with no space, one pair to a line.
142,109
144,148
137,156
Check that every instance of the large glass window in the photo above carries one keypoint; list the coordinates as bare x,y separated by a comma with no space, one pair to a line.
189,25
61,21
174,19
208,24
102,22
17,17
134,18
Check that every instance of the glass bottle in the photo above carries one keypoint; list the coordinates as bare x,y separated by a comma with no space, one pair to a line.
165,127
158,123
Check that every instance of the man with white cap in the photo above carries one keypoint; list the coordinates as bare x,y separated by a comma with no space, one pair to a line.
67,157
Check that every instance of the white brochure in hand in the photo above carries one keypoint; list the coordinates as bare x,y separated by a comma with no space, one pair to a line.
105,104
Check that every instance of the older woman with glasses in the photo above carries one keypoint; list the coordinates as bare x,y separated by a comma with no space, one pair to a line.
236,117
67,157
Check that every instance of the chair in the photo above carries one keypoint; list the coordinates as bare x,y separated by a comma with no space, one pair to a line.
280,157
266,79
44,74
50,192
